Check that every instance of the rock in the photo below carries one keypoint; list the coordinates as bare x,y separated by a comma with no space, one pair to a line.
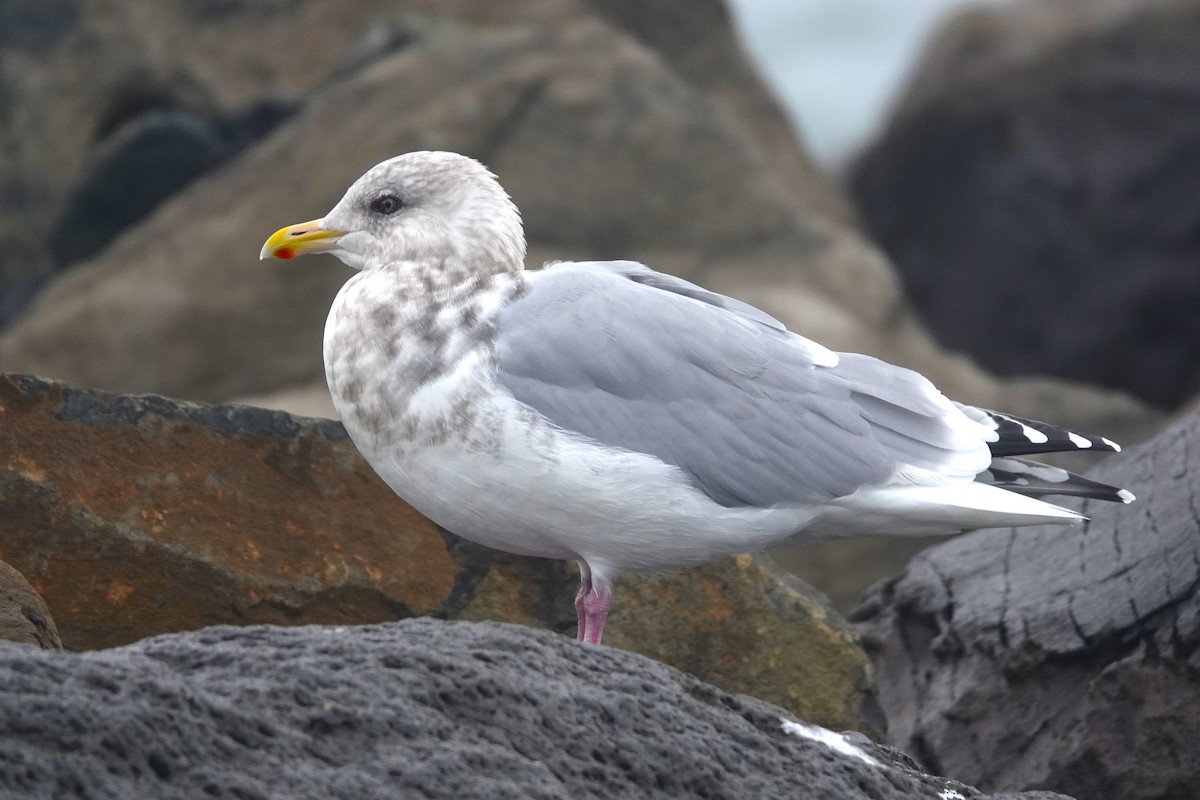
23,614
182,515
34,22
1038,189
141,163
761,617
417,708
844,569
982,41
1058,658
139,515
137,165
76,70
698,39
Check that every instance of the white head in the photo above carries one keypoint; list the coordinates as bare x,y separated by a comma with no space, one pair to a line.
418,207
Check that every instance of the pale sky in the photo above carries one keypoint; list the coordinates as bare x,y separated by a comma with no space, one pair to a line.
835,64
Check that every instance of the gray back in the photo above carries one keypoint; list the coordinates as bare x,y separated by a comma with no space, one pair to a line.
642,361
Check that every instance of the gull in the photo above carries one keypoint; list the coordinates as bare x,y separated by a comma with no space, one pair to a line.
626,419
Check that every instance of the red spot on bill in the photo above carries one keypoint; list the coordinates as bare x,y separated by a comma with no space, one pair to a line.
285,252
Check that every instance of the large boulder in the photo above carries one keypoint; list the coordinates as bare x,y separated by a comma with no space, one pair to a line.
1066,658
139,515
416,709
1034,191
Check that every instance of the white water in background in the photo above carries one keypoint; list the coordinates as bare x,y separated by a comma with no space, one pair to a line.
836,64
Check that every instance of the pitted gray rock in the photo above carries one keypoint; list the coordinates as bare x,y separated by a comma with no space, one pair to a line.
420,708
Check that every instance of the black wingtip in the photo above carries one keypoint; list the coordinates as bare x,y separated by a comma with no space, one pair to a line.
1017,436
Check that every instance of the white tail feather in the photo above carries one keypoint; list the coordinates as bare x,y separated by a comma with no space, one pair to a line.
932,510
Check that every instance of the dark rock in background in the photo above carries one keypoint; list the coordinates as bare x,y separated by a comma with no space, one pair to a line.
1041,207
415,709
132,170
139,164
23,614
36,22
1064,658
138,515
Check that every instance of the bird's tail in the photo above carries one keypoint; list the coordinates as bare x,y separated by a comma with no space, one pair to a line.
1016,436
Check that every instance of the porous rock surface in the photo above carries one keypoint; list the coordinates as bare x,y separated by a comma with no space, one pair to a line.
419,708
139,515
1064,658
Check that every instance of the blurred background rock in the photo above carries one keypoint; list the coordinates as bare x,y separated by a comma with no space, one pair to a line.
1026,196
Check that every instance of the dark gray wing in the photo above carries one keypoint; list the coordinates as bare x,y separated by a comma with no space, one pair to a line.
700,381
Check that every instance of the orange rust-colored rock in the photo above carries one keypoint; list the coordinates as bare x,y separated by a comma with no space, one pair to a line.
136,515
743,622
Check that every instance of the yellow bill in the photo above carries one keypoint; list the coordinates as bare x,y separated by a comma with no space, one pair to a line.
300,240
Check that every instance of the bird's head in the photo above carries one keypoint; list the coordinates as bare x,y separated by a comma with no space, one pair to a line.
415,208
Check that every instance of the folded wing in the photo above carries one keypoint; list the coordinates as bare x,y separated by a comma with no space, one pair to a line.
752,414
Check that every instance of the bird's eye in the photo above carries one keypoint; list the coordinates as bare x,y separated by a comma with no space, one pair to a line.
386,204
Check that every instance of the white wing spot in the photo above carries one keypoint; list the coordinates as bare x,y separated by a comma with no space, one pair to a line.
1033,435
1116,447
834,741
950,794
1079,441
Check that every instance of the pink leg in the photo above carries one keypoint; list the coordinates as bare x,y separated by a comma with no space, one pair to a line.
595,611
585,588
